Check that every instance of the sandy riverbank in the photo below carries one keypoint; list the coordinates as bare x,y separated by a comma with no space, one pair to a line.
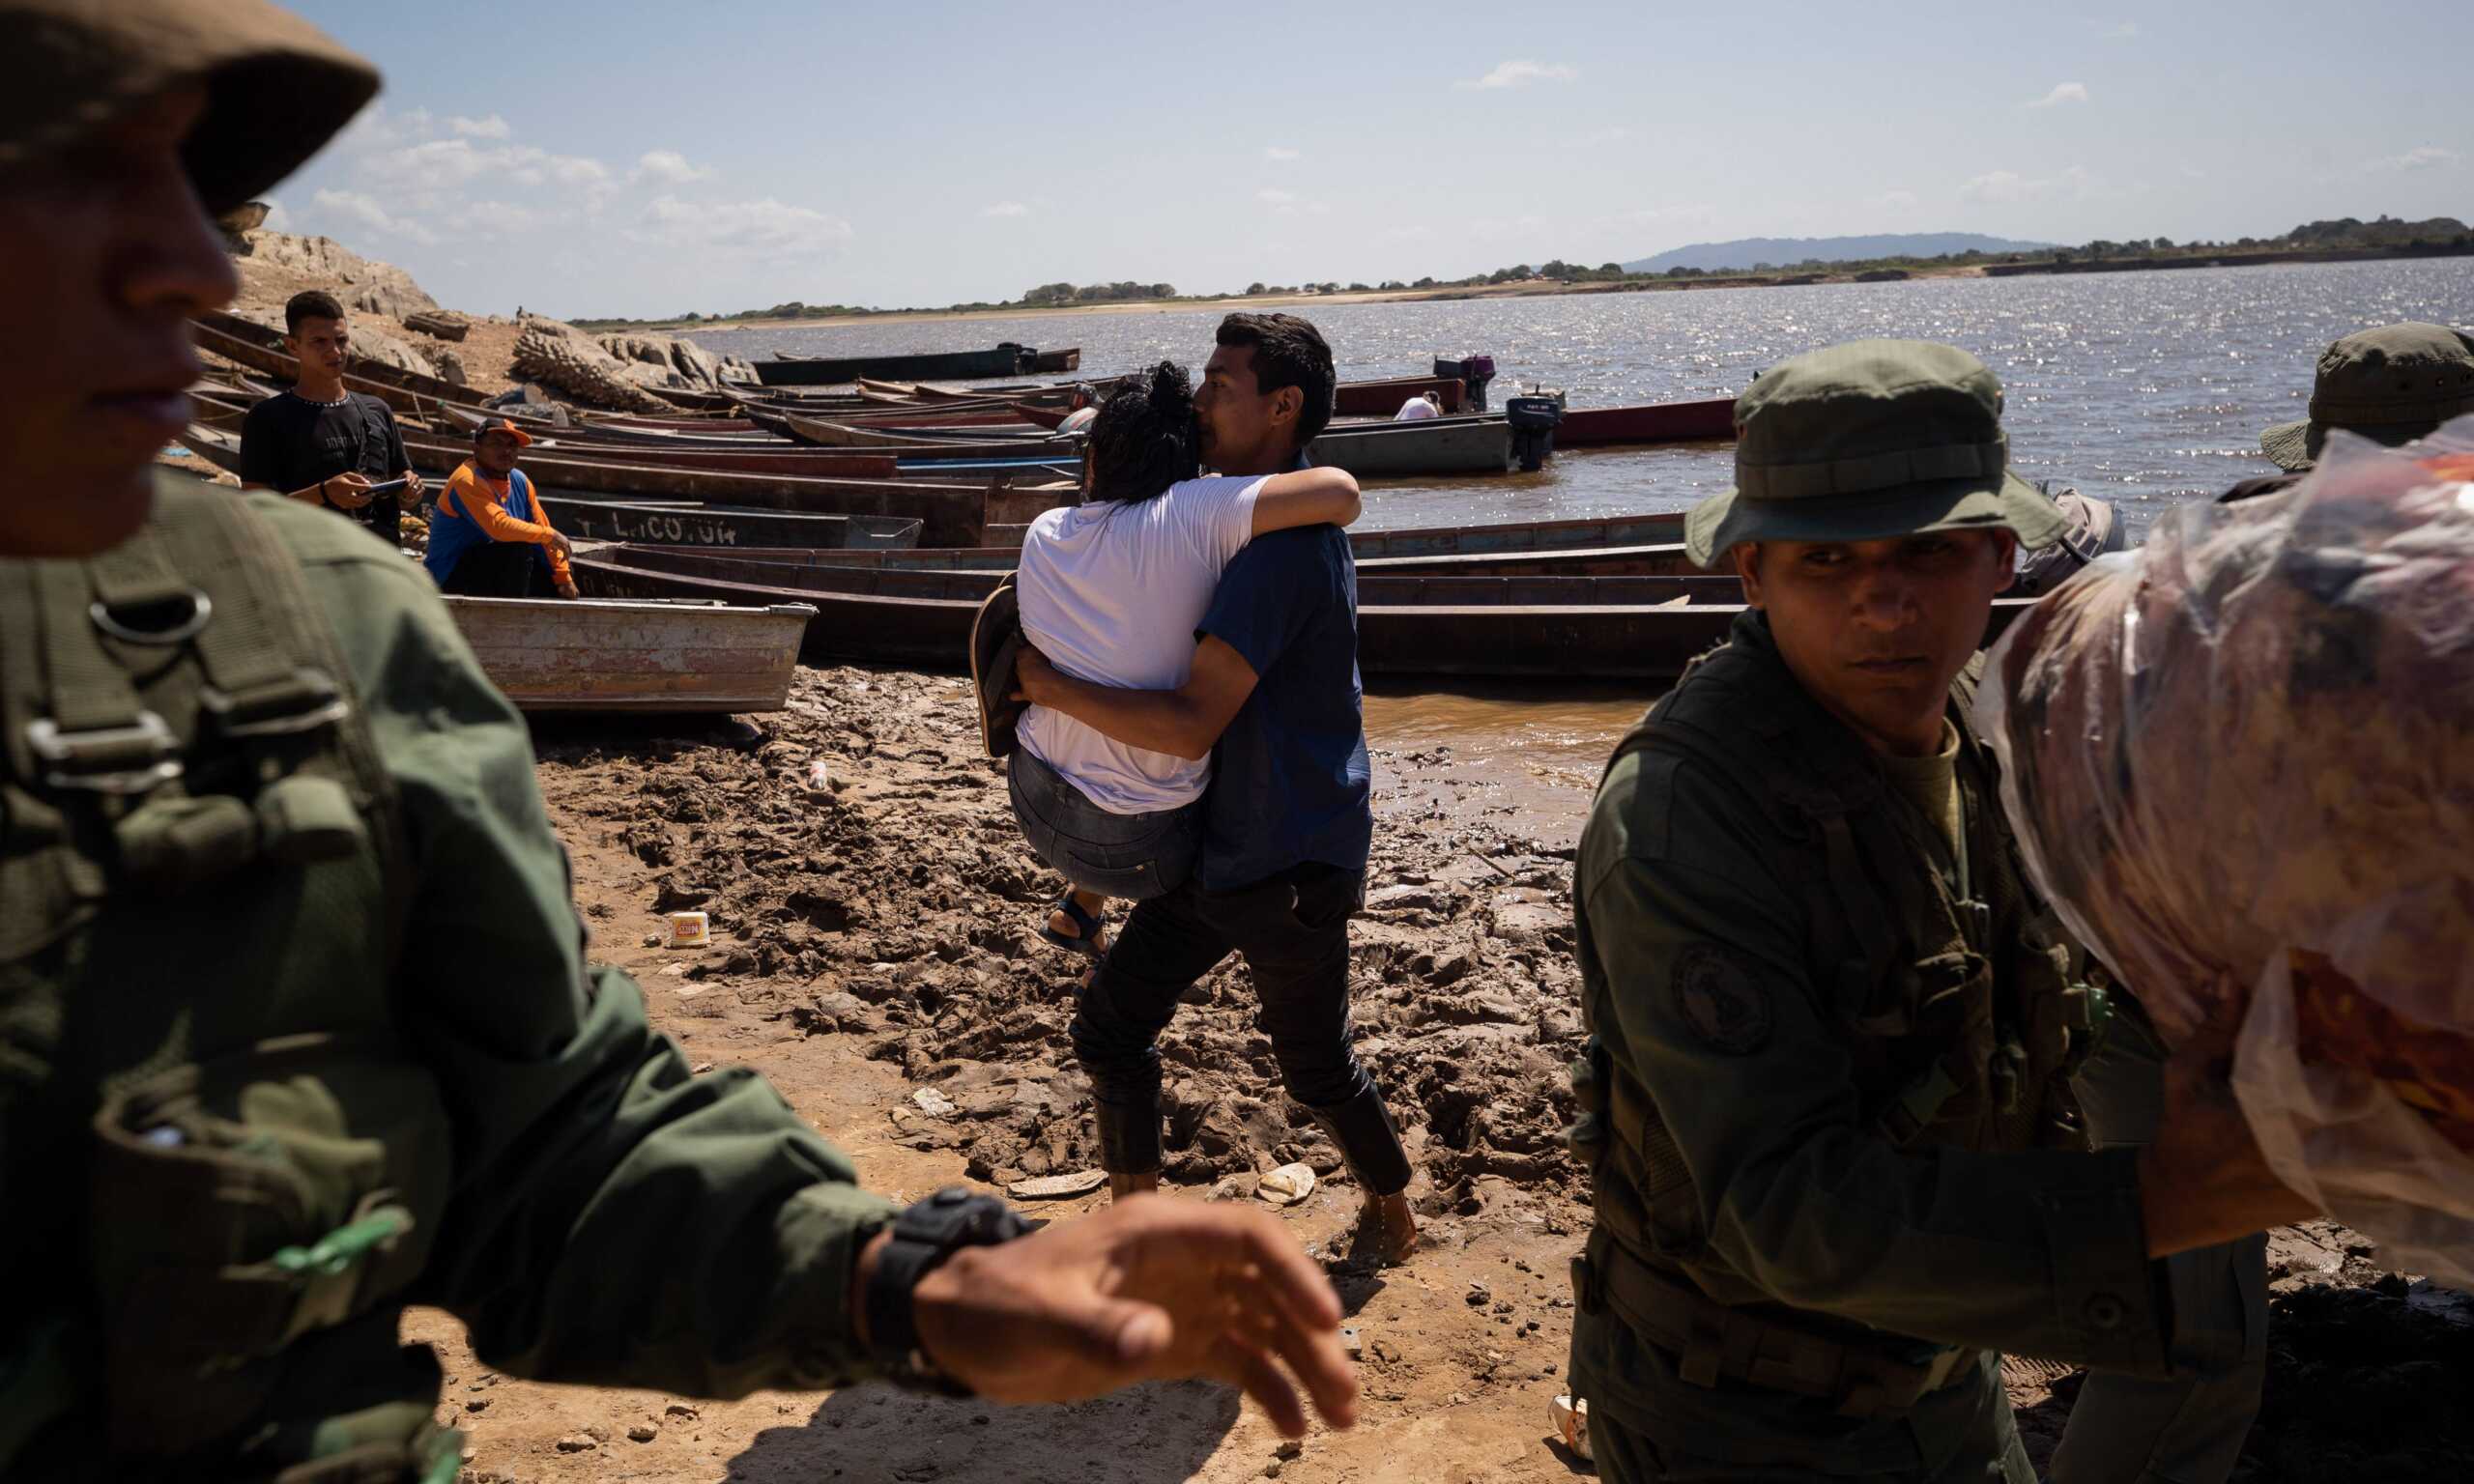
874,938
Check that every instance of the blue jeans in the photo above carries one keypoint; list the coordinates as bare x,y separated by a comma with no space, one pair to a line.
1134,856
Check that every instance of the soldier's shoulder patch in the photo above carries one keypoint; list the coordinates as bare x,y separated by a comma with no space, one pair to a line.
1716,994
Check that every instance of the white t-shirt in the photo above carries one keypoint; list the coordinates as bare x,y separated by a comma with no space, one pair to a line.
1414,409
1110,593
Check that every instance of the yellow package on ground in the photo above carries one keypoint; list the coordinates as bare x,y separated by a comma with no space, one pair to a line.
2247,748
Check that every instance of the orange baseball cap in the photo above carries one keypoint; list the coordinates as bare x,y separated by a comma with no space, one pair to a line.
523,440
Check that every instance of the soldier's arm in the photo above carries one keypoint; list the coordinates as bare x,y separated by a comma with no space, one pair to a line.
1700,945
613,1220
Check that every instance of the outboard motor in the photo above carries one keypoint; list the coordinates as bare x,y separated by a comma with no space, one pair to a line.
1533,418
1473,372
2095,530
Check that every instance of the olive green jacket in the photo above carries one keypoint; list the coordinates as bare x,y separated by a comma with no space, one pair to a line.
1698,978
609,1218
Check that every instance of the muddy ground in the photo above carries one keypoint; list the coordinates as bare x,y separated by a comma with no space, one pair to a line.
874,917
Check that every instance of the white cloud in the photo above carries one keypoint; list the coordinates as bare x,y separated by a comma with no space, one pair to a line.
1278,153
1289,202
2008,188
2002,187
2063,93
1896,200
1005,208
1272,196
761,230
1521,73
494,127
2126,31
2428,157
670,168
1614,135
362,209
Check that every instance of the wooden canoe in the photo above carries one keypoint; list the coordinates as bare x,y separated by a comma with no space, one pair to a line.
598,654
1069,359
1005,359
723,526
1709,420
1433,445
1660,531
949,514
1464,627
951,443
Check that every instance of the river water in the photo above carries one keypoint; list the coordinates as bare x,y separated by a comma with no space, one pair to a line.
2147,388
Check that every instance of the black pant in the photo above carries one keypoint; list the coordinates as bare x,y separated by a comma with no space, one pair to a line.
501,569
1293,928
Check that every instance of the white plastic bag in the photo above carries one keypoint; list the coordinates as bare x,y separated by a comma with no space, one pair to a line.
2248,748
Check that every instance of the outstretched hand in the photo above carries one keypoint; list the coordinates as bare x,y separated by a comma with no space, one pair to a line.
1150,1289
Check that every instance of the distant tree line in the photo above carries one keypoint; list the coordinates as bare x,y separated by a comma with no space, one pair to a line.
2343,233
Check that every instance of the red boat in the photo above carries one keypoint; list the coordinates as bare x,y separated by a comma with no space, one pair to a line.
1656,422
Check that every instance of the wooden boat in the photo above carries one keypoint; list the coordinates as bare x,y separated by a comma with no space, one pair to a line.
1005,359
596,654
1510,541
958,443
1658,422
723,526
1434,445
1537,627
949,514
1069,359
1382,397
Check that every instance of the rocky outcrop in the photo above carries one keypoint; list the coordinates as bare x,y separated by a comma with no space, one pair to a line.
362,283
564,357
683,361
442,326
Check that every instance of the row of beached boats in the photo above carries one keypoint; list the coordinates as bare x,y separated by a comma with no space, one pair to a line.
865,524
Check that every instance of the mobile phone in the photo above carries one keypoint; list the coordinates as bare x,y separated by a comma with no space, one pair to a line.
389,487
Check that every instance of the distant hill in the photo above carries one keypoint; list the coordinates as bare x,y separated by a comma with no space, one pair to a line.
1788,252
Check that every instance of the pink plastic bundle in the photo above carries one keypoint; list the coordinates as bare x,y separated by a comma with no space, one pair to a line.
2247,748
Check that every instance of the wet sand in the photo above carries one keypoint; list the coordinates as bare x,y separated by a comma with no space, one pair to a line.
874,939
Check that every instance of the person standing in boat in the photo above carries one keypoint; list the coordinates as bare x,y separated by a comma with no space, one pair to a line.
489,538
320,443
1273,697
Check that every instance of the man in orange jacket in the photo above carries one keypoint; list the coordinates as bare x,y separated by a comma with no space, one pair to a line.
489,538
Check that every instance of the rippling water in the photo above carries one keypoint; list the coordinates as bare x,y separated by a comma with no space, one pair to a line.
2147,388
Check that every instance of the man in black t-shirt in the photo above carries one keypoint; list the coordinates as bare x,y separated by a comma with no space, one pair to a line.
319,442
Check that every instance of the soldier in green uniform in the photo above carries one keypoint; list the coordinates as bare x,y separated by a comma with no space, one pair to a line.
1838,1162
296,1027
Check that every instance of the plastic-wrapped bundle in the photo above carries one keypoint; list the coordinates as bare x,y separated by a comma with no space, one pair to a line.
2247,750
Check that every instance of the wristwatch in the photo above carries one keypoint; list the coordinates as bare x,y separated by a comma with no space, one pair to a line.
924,1235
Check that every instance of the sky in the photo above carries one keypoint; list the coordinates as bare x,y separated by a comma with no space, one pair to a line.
623,158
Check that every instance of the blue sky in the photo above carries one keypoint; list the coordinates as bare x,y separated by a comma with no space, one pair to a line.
645,159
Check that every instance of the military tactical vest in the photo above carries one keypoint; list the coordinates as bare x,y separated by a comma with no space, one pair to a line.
217,1158
1963,1017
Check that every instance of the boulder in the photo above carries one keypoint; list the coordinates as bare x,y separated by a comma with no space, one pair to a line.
678,362
439,327
558,355
362,283
450,366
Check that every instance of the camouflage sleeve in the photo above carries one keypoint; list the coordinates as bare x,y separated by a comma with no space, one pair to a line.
613,1219
1697,953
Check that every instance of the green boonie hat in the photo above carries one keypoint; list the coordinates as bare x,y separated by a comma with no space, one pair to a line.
1870,439
2392,385
278,87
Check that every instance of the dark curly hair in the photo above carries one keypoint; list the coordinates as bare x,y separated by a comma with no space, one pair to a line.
1143,439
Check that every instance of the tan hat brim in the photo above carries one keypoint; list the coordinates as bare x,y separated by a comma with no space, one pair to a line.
2295,446
278,87
2006,503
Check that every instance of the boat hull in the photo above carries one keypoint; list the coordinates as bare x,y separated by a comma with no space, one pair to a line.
724,528
1006,359
1709,420
602,655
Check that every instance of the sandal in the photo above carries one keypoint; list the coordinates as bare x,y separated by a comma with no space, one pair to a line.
1085,921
